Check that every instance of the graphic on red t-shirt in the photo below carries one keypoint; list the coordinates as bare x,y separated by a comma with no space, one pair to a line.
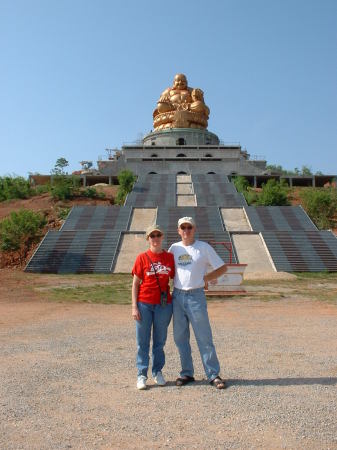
163,264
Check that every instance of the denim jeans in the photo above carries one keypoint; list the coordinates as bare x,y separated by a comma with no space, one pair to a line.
191,307
158,318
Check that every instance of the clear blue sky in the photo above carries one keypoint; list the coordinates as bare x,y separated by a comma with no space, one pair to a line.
79,76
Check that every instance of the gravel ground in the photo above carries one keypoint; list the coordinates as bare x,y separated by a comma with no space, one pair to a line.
68,380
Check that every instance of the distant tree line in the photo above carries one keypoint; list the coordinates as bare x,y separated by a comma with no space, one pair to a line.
305,171
319,203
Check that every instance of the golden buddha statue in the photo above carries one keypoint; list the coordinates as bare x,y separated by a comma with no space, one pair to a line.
180,106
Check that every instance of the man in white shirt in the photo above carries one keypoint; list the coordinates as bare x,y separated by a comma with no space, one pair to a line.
189,302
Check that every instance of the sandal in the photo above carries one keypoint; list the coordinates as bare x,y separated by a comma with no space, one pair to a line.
184,380
218,383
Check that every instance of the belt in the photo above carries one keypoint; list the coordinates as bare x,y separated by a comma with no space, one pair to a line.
188,290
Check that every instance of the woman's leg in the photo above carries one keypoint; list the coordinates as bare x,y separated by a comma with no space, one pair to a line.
162,319
143,335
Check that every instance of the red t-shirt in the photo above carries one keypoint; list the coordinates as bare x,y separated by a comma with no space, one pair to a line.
149,290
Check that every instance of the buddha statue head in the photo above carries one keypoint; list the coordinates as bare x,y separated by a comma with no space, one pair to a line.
180,82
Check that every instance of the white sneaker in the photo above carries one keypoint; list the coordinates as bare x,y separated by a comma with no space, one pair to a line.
141,382
159,379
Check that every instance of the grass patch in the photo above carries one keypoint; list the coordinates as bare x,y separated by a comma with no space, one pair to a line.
317,275
108,295
302,277
116,293
116,288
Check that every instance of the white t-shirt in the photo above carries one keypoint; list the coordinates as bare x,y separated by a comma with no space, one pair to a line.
191,263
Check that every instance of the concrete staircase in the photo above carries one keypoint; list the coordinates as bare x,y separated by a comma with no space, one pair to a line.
302,251
75,252
265,238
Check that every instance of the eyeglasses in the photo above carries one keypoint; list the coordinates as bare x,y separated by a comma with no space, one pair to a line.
157,235
187,227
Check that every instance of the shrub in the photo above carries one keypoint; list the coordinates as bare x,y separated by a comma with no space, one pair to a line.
241,183
19,230
64,187
250,196
321,205
41,189
274,193
14,187
91,192
126,180
62,213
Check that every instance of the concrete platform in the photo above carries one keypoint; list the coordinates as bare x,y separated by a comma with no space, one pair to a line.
142,218
269,276
184,188
132,244
184,179
186,200
251,251
235,219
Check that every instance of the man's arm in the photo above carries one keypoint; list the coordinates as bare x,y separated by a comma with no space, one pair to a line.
215,273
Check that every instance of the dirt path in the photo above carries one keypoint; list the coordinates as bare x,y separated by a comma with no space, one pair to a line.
68,376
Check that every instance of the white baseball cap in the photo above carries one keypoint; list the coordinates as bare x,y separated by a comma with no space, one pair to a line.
189,220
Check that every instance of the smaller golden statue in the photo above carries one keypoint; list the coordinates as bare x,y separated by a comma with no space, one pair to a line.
180,106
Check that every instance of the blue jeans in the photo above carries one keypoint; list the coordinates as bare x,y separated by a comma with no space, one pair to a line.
191,307
158,318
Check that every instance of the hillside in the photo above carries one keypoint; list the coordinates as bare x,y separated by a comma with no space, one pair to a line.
53,210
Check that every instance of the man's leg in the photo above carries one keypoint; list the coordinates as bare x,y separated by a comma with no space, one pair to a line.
162,319
181,333
143,335
198,316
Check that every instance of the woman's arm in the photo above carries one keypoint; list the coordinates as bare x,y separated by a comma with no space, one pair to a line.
135,289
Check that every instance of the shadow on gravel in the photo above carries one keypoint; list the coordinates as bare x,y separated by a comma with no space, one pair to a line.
263,382
173,384
326,381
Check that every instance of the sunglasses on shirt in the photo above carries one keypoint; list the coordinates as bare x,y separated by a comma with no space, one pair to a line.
186,227
157,235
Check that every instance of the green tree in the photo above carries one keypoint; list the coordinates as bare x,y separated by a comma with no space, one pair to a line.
306,171
126,180
276,169
60,165
321,205
20,230
274,193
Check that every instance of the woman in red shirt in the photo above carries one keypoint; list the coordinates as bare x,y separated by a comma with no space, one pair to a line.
152,305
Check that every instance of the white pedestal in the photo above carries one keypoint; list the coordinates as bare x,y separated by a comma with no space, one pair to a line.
229,283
